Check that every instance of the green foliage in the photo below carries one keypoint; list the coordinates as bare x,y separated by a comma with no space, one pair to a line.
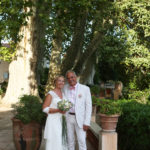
94,100
149,98
4,86
12,17
109,107
134,126
135,18
1,91
124,52
139,96
7,53
29,109
95,89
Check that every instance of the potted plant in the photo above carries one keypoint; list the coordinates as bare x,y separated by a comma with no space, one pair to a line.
109,112
27,123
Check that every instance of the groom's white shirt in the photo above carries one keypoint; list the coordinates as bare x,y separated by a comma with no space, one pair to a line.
83,104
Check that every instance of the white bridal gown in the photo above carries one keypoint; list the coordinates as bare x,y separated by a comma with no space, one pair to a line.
53,127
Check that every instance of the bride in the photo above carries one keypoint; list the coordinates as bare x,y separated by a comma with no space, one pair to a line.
53,127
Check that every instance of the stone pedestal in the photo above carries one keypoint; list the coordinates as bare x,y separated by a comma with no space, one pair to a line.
108,141
116,94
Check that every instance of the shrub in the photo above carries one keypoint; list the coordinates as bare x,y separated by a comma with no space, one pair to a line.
134,126
95,89
94,100
140,96
29,109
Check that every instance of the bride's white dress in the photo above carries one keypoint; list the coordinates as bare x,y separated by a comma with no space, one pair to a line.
53,127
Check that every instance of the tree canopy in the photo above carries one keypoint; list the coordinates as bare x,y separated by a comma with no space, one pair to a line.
114,36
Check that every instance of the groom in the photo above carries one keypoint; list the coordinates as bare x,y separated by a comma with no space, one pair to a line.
79,116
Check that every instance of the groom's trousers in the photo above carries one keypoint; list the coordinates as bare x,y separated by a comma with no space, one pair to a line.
73,128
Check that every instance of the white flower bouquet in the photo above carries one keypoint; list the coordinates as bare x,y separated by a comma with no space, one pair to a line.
64,105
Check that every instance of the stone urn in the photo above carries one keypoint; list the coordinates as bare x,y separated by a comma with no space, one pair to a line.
26,136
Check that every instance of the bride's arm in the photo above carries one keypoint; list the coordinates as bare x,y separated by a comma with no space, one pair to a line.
46,105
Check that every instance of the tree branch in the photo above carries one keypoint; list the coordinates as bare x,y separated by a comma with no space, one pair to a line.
89,51
76,44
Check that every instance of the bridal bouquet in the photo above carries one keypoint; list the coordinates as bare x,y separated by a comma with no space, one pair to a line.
64,105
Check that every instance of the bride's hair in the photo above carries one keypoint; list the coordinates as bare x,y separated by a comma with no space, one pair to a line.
56,78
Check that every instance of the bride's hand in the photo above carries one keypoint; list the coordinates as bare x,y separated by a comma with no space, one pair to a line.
62,112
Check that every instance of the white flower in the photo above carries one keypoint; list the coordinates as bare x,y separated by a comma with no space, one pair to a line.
64,105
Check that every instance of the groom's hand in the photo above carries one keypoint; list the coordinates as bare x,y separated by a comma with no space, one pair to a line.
85,127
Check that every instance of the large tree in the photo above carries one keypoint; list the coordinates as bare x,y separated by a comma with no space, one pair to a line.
24,65
124,53
81,32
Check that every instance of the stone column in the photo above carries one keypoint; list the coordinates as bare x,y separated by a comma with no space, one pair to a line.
107,140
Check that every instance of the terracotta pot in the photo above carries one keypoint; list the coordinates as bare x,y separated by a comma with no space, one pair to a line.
108,122
26,136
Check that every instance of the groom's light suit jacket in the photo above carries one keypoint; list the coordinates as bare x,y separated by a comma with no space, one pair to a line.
83,104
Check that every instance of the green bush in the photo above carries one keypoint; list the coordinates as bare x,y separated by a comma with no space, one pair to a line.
95,90
140,96
95,100
134,126
29,109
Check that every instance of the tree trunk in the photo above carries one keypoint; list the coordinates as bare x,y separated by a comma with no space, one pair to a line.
55,60
93,45
89,71
41,26
22,69
40,50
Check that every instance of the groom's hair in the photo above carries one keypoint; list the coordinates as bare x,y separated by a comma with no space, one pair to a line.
71,72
